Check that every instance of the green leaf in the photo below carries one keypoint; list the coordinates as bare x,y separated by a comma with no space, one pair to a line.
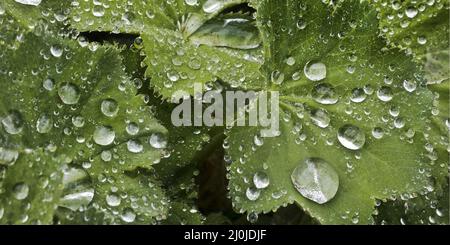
183,43
344,38
421,28
60,99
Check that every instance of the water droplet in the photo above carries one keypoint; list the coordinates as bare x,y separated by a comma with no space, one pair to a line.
316,180
411,12
98,11
158,141
191,2
8,157
290,61
44,124
324,94
377,133
301,24
277,77
358,95
48,84
113,200
409,86
212,6
385,94
29,2
261,180
351,137
109,107
106,156
128,215
252,193
132,128
134,146
56,50
315,71
78,191
320,118
13,122
252,217
69,94
20,191
104,135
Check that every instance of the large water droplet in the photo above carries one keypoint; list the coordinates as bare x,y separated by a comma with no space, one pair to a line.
411,12
20,191
104,135
109,107
315,71
44,124
351,137
316,180
191,2
261,180
324,94
409,86
29,2
13,122
158,141
69,94
320,118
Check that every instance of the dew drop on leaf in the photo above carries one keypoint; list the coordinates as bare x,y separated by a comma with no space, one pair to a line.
261,180
48,84
13,122
20,191
325,94
7,156
44,124
277,77
134,146
69,94
385,94
315,71
113,200
158,141
351,137
104,135
252,193
29,2
56,51
78,191
109,107
316,180
358,95
128,215
320,118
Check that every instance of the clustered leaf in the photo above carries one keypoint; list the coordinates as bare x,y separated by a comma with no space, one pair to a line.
85,128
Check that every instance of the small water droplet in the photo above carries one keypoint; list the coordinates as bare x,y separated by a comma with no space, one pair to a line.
134,146
109,107
351,137
261,180
358,95
128,215
56,50
13,122
29,2
104,135
69,94
277,77
158,141
44,124
20,191
113,200
320,118
385,94
315,71
324,94
252,193
316,180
